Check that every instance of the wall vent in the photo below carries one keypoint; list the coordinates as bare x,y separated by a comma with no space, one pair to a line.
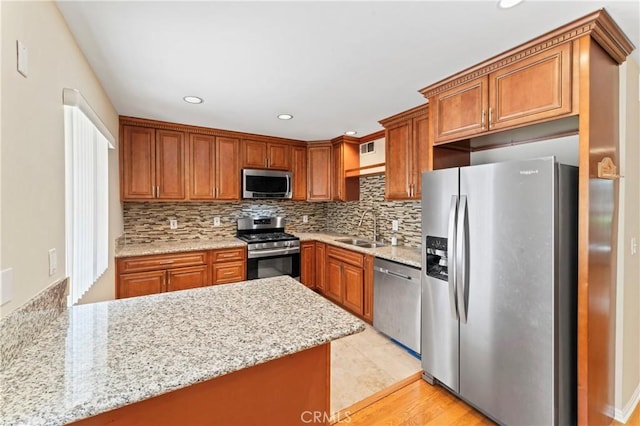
367,148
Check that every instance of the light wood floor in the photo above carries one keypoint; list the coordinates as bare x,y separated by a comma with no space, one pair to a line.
419,403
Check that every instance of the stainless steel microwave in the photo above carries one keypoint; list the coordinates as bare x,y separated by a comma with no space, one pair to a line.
266,184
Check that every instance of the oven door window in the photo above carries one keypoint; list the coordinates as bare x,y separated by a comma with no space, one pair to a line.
265,267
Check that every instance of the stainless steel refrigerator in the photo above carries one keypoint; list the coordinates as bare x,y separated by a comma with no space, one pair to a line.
499,288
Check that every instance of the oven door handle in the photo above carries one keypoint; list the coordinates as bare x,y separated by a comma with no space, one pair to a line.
273,252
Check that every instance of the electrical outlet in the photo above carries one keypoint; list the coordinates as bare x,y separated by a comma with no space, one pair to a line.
394,225
53,262
305,219
23,58
6,286
216,221
173,223
634,246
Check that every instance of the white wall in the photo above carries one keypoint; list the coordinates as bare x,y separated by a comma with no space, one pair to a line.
32,162
627,391
565,149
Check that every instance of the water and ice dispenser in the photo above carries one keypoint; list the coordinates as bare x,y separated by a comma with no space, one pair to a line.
437,262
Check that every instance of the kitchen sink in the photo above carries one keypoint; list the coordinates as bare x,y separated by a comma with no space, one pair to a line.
360,243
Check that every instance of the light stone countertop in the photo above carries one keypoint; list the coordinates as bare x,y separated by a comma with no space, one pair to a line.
101,356
407,255
162,247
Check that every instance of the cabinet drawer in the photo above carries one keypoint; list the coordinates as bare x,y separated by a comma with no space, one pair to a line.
226,255
163,261
346,256
228,272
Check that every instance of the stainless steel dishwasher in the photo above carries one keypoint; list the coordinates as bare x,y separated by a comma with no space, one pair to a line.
396,302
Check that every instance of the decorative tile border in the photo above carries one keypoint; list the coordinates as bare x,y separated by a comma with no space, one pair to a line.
22,327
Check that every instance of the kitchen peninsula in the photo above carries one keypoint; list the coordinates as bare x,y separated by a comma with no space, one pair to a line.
250,352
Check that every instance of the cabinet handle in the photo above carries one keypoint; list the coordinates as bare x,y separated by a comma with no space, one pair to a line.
490,117
266,162
166,262
216,193
482,119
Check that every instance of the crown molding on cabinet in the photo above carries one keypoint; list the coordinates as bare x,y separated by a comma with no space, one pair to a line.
599,25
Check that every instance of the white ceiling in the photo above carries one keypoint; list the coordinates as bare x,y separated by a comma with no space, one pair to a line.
335,66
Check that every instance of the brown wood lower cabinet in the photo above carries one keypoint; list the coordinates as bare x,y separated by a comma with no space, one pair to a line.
186,278
308,263
228,265
143,275
349,280
320,273
140,283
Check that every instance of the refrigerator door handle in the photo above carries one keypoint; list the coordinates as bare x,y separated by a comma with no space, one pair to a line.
451,256
462,278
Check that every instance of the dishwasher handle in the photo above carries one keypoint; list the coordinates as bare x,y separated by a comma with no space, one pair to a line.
395,274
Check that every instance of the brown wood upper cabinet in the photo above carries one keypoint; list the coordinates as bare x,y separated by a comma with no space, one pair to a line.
346,155
299,172
152,164
265,155
214,171
319,172
406,138
531,90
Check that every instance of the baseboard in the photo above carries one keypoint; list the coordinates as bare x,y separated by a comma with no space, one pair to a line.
623,415
345,413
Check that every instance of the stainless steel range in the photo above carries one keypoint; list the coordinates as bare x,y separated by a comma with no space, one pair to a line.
270,250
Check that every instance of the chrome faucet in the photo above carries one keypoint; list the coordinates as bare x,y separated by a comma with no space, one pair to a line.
374,222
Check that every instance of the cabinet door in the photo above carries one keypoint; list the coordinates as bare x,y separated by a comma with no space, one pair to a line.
138,163
398,150
278,156
534,89
228,272
185,278
308,261
321,272
227,168
141,283
353,282
299,172
319,180
338,173
367,310
419,154
170,175
333,285
460,111
254,154
202,178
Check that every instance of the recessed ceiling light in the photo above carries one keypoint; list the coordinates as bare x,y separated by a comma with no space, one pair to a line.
350,133
506,4
285,116
193,99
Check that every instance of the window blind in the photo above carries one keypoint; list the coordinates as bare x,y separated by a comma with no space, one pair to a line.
86,201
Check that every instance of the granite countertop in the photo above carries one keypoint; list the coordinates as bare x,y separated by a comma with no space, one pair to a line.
127,250
101,356
408,255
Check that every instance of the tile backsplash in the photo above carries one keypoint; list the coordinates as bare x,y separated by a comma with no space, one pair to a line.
344,217
146,222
